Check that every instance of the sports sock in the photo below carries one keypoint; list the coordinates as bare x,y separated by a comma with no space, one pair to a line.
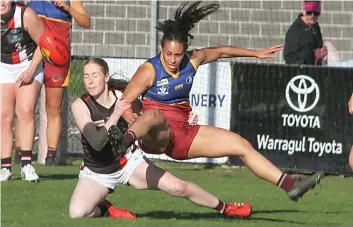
51,152
130,138
286,182
104,211
6,163
26,157
221,206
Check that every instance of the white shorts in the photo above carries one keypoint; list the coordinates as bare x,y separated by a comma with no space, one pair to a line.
122,176
10,73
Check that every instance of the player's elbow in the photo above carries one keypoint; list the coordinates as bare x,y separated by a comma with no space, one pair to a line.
88,23
85,23
98,146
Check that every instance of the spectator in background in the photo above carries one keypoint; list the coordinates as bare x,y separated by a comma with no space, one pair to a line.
20,82
350,108
303,43
57,16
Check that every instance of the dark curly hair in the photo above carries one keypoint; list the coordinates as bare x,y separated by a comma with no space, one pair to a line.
184,20
117,84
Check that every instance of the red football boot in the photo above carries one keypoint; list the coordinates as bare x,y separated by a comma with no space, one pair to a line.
115,212
238,210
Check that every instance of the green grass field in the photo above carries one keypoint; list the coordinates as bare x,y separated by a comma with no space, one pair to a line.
46,203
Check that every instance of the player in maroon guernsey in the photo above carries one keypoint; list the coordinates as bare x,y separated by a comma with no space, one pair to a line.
165,82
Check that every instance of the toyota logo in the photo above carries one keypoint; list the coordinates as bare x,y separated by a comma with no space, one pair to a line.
303,86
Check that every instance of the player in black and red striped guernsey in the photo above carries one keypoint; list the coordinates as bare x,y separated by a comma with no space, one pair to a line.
20,82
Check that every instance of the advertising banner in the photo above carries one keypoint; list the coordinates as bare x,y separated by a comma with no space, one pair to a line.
296,116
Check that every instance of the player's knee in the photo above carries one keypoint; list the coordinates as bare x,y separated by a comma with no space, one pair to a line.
180,188
245,149
6,117
77,211
53,108
25,113
155,116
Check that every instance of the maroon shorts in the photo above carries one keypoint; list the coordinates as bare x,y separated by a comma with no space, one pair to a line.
55,76
183,133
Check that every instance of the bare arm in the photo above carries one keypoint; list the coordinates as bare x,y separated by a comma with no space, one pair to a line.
210,54
35,27
135,105
139,83
350,104
96,138
77,11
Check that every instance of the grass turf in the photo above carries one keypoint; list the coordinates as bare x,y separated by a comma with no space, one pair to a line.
46,203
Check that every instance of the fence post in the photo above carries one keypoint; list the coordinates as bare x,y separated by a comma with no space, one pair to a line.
42,131
153,31
62,153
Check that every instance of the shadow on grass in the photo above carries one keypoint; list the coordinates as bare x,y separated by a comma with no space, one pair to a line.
278,211
57,176
207,216
216,216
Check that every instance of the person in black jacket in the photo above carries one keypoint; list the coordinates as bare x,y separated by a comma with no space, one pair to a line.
303,43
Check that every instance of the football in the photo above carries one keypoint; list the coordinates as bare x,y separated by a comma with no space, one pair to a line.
54,49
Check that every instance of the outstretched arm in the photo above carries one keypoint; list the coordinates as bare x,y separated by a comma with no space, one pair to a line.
77,11
210,54
139,83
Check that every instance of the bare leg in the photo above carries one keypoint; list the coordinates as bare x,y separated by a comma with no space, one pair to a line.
85,198
231,144
7,112
149,176
26,99
53,102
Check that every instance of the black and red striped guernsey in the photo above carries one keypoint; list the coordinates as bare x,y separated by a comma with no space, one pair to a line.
16,44
101,161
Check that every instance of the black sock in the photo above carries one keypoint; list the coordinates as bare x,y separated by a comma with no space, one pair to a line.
221,206
6,163
26,158
104,211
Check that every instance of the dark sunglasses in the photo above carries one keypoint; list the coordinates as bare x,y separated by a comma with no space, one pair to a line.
313,12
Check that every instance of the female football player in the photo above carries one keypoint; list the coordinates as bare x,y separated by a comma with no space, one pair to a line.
20,81
175,66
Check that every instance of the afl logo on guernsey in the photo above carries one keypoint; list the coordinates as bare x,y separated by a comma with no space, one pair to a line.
189,79
163,87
